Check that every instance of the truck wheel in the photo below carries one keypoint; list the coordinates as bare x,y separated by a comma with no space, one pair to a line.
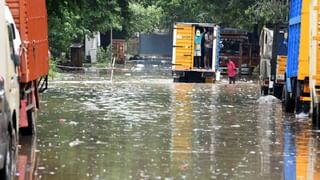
6,171
288,101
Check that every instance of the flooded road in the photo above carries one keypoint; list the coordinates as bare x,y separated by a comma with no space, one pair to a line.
144,126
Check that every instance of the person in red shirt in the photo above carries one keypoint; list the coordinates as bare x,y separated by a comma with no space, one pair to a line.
232,71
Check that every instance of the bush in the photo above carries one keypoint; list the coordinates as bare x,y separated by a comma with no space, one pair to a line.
52,68
103,55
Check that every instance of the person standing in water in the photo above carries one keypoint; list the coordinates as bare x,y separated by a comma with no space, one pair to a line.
197,49
232,71
208,44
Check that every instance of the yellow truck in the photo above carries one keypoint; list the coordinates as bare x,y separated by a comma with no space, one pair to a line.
314,61
184,66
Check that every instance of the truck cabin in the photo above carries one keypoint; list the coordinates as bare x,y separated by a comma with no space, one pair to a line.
238,46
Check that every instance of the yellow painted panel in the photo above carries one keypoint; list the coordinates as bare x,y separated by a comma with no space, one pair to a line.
184,46
318,51
303,70
282,61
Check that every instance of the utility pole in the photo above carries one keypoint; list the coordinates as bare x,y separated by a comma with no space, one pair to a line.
111,37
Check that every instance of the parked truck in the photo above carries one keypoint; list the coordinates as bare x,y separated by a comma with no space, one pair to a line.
273,53
183,57
24,65
30,19
240,46
296,93
314,60
9,97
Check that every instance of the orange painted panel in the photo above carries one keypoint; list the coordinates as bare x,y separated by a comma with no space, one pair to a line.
31,19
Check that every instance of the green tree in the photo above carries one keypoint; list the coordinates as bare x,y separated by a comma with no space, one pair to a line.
144,18
70,20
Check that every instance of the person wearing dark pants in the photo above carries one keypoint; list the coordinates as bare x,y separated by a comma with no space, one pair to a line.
208,44
232,71
197,49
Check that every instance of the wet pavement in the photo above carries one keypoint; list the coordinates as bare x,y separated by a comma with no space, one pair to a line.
143,126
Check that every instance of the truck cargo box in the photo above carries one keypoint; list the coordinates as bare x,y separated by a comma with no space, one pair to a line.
303,70
294,38
31,20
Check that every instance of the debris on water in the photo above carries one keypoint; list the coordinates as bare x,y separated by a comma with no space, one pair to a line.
302,115
100,142
75,143
62,120
73,123
41,168
127,74
268,100
140,65
184,167
91,106
235,126
252,152
216,127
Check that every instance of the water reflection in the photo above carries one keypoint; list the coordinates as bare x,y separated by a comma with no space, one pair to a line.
143,126
181,145
27,158
301,157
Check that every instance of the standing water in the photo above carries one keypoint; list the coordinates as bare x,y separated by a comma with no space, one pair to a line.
144,126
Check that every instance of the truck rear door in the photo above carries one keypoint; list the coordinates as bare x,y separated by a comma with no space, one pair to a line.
183,45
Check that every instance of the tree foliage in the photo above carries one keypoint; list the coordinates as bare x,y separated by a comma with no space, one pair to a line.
70,20
144,18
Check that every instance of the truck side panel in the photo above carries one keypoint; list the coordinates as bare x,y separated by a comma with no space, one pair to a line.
303,71
31,19
294,38
184,42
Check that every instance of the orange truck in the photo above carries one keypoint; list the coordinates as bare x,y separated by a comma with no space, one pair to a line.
30,19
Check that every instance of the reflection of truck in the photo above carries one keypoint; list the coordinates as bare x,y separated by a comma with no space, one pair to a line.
296,93
273,60
9,96
27,158
30,18
239,46
183,59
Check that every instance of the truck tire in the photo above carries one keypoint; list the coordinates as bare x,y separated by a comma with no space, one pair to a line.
6,172
288,102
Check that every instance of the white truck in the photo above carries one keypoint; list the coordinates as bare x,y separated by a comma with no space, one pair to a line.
9,93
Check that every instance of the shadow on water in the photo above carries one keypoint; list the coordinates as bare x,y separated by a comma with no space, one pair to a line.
143,126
